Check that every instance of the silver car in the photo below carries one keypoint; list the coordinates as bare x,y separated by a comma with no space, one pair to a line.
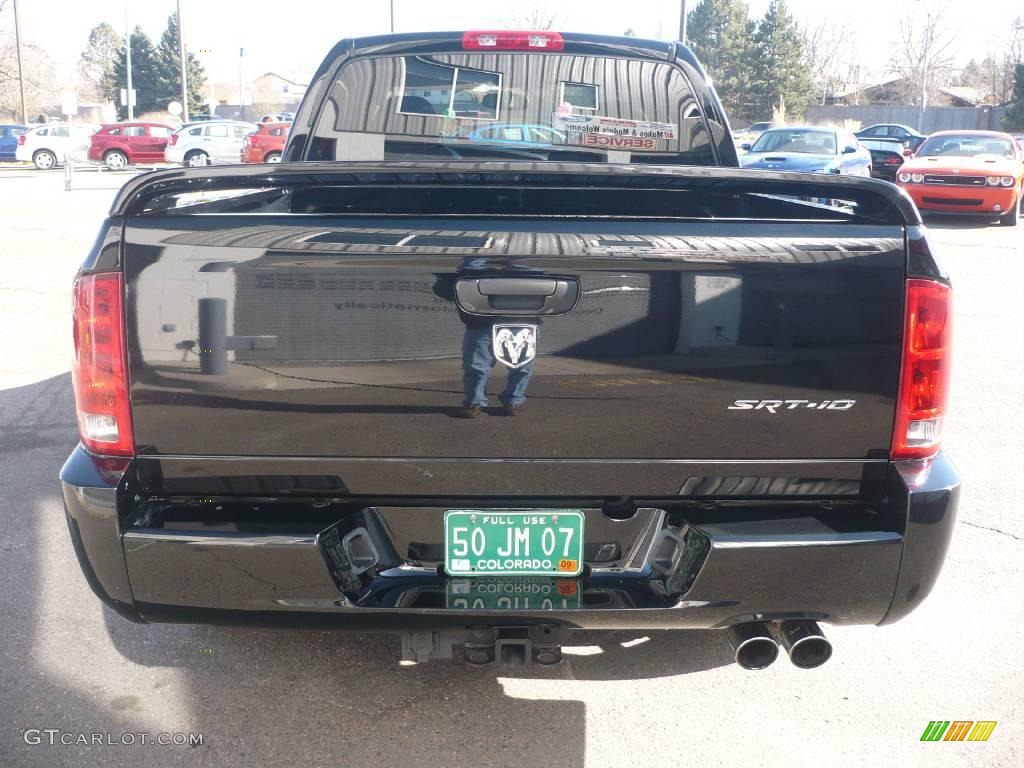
47,146
214,141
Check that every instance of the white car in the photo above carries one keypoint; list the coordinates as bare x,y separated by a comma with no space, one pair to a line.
46,146
213,141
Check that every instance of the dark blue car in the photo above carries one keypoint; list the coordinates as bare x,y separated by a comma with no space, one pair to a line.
808,150
9,134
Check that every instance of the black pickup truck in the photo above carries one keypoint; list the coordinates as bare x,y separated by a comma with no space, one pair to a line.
510,347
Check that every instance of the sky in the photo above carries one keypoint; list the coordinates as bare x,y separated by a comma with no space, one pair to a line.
291,37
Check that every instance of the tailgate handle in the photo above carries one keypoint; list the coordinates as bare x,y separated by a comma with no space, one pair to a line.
517,295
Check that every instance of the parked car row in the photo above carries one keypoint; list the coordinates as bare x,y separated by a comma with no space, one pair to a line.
950,172
969,173
119,145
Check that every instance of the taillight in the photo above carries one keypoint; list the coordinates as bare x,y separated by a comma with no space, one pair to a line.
99,370
21,140
512,41
174,139
924,383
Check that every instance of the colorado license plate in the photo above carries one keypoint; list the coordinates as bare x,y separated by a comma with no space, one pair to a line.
543,542
513,593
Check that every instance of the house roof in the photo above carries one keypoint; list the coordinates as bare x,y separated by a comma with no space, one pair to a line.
280,77
966,94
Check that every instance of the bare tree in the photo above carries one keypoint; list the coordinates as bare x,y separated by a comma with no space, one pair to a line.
1015,46
922,52
828,52
40,73
536,17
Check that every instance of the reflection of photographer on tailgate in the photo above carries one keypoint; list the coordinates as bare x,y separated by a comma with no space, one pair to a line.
489,340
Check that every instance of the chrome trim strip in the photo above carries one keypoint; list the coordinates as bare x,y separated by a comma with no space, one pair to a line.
457,460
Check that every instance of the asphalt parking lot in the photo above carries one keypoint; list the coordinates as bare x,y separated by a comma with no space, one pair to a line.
621,699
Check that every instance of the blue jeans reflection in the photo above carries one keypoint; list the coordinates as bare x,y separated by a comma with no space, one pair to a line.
478,360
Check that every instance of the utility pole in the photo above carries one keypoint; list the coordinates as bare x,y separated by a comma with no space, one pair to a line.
241,93
391,4
924,75
184,66
682,22
21,70
128,63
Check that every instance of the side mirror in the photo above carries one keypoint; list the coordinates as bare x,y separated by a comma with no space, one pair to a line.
746,146
849,150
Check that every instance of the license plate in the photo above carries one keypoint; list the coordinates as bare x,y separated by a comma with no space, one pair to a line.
517,593
542,542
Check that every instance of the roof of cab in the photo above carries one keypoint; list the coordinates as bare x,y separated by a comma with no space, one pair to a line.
574,42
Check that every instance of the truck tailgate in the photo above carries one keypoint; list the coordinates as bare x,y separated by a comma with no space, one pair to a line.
279,334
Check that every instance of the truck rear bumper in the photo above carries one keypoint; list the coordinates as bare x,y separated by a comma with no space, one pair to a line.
697,568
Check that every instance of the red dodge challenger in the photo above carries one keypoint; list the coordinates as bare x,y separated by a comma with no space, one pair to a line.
977,173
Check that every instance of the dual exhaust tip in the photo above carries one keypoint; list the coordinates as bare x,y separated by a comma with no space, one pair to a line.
756,643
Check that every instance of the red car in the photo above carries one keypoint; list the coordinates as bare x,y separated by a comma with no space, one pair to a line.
266,144
975,173
121,144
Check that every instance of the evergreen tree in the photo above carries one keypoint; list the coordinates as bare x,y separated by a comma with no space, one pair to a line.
721,34
1013,120
145,76
972,76
169,70
782,77
98,60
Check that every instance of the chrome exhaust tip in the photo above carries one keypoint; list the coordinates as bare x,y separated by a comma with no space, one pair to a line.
804,641
752,644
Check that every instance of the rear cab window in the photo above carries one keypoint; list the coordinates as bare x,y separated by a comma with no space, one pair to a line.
473,106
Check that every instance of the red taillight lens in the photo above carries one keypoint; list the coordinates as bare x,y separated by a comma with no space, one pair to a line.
174,139
99,370
893,161
21,140
924,385
512,41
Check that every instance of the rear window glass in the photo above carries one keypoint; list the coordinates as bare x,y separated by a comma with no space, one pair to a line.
217,131
196,131
579,95
509,106
113,132
135,130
